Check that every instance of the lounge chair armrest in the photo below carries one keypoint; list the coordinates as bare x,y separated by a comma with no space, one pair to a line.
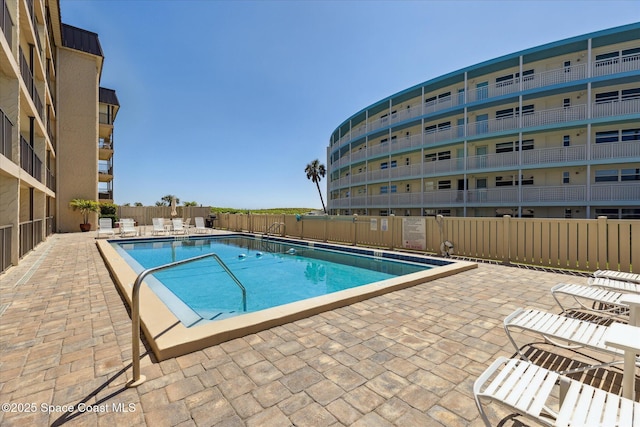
633,301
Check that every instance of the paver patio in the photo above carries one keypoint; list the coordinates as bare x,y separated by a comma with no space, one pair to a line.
407,358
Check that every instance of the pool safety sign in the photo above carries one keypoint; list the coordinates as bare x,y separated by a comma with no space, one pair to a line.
414,234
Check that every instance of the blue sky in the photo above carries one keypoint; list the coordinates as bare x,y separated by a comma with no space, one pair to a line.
225,102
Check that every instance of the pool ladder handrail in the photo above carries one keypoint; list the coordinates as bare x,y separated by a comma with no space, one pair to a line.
135,309
275,225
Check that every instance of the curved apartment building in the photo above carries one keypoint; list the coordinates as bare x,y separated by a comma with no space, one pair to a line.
551,131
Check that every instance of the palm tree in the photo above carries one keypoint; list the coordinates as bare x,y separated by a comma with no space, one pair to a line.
166,200
315,172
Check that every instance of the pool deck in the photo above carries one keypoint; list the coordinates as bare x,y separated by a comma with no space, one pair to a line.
407,358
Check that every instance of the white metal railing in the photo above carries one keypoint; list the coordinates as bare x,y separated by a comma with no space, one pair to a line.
561,193
494,160
616,65
612,150
616,108
616,192
554,155
546,78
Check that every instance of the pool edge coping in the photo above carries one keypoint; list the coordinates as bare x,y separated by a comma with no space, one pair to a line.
169,338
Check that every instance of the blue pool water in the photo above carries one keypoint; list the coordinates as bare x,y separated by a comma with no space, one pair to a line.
273,273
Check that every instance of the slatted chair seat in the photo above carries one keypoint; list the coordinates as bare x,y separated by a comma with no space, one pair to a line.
618,275
609,301
562,331
532,392
615,285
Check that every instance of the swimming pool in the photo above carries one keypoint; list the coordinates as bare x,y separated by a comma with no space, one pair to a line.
169,336
272,272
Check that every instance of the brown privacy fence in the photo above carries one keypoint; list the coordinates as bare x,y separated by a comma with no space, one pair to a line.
144,215
574,244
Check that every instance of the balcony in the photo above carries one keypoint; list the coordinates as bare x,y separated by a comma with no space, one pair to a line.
27,77
6,129
557,76
104,196
570,195
6,24
29,161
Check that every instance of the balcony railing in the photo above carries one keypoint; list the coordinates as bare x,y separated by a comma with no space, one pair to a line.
27,77
6,130
29,161
105,119
30,235
628,191
105,195
543,79
5,22
5,247
106,145
531,195
51,180
615,150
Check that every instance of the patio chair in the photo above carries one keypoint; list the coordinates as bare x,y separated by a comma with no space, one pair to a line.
200,228
549,398
158,226
618,275
615,285
602,301
565,332
128,226
105,227
178,226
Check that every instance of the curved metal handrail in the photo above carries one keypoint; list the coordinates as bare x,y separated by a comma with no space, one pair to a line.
135,309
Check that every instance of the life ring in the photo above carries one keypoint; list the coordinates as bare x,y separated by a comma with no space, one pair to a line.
446,248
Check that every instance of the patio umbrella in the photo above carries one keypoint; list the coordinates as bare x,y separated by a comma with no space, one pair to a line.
174,212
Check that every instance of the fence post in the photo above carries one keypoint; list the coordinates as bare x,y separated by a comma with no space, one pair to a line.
506,241
603,241
326,219
392,224
355,230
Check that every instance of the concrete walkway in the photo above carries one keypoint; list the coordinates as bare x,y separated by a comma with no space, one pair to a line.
408,358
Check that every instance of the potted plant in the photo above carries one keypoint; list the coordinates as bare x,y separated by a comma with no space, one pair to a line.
85,207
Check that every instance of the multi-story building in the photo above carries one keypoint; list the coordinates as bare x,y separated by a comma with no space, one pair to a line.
52,138
551,131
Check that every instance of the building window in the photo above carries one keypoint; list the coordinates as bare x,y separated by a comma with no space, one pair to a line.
444,185
384,165
384,212
608,175
601,98
631,134
630,175
408,188
394,163
607,136
504,182
566,102
567,66
430,129
394,188
384,141
407,161
384,189
444,155
526,181
630,94
630,213
566,140
565,177
567,213
504,147
504,114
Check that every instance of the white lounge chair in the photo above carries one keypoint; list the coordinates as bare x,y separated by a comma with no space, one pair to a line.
128,227
601,301
549,398
158,226
563,331
618,275
178,227
615,285
200,228
105,227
